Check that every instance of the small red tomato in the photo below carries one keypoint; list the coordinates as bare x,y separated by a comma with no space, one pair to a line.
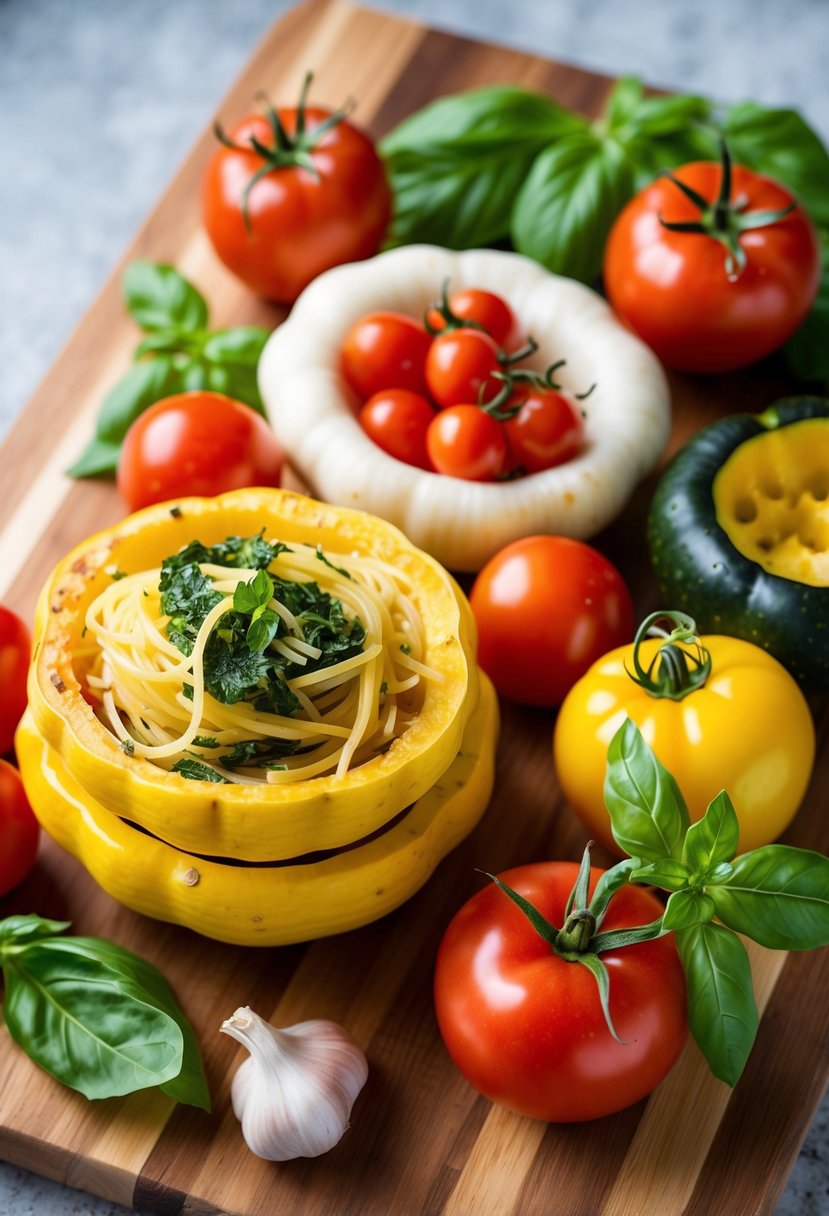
397,420
459,364
15,648
464,441
196,443
485,308
385,350
547,607
526,1026
309,194
547,430
19,830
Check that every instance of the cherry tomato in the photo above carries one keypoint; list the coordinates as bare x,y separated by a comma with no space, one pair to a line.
673,288
196,443
15,648
397,420
385,350
19,830
464,441
526,1027
459,363
547,607
547,430
280,231
483,307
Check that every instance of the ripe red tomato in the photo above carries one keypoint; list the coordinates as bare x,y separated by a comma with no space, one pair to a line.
19,830
526,1027
385,350
459,363
196,443
464,441
293,222
483,307
547,430
397,420
674,290
547,607
15,648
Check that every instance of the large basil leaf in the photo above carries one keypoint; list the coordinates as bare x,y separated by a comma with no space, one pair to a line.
568,202
648,814
808,351
722,1012
713,839
686,908
779,896
242,345
159,298
780,144
15,930
456,165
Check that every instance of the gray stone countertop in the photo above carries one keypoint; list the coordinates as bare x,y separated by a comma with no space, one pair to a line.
100,101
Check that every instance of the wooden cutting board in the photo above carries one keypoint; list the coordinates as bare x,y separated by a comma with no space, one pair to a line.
422,1140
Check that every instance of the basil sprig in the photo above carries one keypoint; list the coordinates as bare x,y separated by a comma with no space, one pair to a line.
95,1016
776,895
502,164
179,353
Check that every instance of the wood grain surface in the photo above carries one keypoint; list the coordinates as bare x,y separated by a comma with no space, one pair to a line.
421,1141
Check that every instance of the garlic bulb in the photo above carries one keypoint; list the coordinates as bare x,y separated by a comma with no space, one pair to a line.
294,1095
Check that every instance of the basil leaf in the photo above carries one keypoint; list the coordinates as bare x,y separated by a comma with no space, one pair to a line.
808,350
568,202
239,381
648,814
713,839
242,345
262,630
687,908
194,770
667,873
195,376
778,896
17,929
158,297
90,1028
722,1013
251,595
782,145
99,457
456,165
164,341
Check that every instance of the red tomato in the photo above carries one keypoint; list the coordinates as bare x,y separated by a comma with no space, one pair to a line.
526,1027
483,307
397,420
673,288
464,441
547,430
385,350
459,363
547,607
300,221
19,830
196,443
15,648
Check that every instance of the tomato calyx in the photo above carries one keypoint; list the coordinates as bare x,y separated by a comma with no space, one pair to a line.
674,671
287,151
450,320
724,219
506,405
579,939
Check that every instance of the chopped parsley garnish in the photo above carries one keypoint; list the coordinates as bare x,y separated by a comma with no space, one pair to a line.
260,753
128,747
239,664
405,647
206,742
322,558
197,771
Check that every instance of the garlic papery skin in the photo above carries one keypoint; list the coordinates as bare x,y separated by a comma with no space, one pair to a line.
294,1095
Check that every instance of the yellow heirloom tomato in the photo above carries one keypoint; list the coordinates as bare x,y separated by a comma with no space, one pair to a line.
719,712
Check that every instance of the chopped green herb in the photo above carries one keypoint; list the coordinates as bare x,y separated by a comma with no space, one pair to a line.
176,512
322,558
128,747
117,575
206,741
384,688
260,753
405,647
196,771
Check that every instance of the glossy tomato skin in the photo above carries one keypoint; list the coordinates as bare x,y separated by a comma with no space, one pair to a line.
464,441
397,420
547,607
484,308
747,730
19,830
196,443
672,288
385,350
15,649
300,224
526,1028
548,430
459,365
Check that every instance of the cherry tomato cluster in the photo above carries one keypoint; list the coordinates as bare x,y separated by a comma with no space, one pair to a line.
445,395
